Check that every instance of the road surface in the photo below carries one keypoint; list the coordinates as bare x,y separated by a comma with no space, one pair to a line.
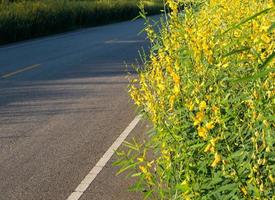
63,102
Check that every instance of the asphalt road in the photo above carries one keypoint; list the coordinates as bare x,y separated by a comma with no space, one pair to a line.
63,102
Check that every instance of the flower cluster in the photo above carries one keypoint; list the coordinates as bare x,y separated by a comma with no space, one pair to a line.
208,88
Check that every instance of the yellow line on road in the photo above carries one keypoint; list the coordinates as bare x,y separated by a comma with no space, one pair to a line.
20,71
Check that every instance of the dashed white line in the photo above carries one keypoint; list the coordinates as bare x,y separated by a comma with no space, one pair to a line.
20,71
85,183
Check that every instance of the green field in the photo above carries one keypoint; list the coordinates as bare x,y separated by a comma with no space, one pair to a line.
21,20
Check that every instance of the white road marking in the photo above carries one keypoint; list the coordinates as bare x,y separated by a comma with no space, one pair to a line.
85,183
20,71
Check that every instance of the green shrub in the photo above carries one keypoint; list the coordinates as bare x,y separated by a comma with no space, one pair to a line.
208,88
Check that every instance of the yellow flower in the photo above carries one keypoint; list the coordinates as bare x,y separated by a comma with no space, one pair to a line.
265,38
176,78
161,86
177,89
198,119
262,187
215,109
172,101
143,169
271,178
208,97
184,182
170,70
209,148
217,160
237,34
214,140
140,159
186,196
244,190
202,106
190,106
202,132
147,174
209,125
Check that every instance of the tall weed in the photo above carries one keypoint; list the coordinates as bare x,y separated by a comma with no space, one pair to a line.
208,89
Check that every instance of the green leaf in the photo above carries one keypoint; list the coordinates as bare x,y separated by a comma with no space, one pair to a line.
236,155
130,145
271,118
148,194
268,60
236,51
136,174
224,189
232,195
182,187
271,27
227,187
216,180
123,169
196,146
155,47
137,186
261,74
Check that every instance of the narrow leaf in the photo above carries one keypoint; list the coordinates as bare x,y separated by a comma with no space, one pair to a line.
271,27
255,76
236,51
268,60
126,168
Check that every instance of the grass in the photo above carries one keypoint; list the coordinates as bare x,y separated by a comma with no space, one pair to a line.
20,20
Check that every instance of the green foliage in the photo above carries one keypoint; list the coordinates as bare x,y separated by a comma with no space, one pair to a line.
27,19
208,89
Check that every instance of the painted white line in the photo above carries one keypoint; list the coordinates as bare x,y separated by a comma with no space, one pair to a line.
85,183
20,71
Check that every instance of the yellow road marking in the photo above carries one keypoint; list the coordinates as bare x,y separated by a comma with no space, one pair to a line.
20,71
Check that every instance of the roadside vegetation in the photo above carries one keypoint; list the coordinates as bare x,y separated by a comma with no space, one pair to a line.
208,88
20,19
